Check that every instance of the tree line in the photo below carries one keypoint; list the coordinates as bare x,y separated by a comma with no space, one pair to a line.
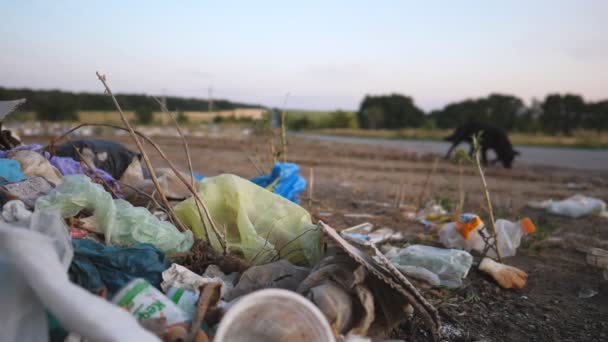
56,105
557,113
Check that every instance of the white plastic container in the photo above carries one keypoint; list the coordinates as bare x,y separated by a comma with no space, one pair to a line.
184,299
144,301
274,315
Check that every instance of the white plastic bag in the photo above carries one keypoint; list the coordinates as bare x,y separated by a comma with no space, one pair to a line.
35,258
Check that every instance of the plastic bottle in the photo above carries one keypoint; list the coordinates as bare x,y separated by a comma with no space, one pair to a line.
458,234
464,234
510,234
438,266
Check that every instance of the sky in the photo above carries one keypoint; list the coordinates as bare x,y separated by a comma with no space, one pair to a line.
325,54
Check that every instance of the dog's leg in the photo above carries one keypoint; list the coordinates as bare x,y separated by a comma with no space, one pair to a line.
447,155
484,156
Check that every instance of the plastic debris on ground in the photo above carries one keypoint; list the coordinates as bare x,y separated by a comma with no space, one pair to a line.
292,318
14,211
506,276
10,171
28,191
177,276
465,234
31,286
120,222
96,266
597,257
280,274
284,180
145,302
438,266
431,216
34,164
337,287
364,234
574,206
258,224
110,156
66,165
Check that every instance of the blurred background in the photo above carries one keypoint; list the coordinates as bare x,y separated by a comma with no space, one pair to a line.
386,70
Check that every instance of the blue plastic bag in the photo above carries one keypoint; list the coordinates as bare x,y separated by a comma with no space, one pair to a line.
285,180
10,171
96,266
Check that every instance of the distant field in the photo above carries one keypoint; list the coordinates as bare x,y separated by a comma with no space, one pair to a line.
580,139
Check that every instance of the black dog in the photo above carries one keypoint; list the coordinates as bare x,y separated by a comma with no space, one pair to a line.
492,138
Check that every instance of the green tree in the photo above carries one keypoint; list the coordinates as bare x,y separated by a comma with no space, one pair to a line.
144,115
392,111
562,114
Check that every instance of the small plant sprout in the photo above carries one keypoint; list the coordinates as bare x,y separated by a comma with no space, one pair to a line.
491,239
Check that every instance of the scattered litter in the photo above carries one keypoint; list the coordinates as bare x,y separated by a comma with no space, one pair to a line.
10,171
506,276
574,206
364,234
258,224
15,210
120,222
97,266
107,155
34,164
431,216
280,274
30,287
292,318
285,180
145,302
177,276
586,292
464,234
438,266
28,191
597,257
336,286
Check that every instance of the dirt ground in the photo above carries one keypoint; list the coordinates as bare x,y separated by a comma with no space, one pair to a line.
355,184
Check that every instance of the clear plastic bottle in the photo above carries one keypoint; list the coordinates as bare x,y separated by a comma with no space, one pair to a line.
510,234
464,234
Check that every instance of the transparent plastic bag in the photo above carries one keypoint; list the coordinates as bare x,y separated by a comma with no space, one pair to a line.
257,223
438,266
576,206
121,223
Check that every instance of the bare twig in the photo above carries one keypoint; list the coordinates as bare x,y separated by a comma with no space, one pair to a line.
311,185
143,193
460,188
284,130
196,196
179,224
476,144
187,150
209,293
93,169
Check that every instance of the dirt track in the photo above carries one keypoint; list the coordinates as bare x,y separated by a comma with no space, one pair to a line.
358,179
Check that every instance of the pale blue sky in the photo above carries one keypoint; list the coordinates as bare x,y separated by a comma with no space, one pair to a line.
326,54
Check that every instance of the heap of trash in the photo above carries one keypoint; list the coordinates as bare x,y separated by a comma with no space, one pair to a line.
95,243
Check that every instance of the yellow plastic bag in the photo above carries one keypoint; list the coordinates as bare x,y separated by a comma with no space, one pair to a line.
258,224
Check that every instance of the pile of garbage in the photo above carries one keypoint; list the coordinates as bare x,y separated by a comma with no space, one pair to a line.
95,244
